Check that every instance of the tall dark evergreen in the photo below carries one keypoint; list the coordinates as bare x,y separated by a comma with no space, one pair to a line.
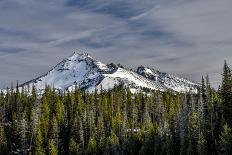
226,94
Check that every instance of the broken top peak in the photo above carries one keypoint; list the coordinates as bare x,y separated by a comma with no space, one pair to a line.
79,55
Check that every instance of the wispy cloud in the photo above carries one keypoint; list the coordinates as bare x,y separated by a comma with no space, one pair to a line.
187,38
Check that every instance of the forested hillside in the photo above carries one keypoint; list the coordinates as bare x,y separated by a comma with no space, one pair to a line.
117,121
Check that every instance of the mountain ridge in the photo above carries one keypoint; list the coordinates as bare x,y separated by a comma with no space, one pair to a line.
84,71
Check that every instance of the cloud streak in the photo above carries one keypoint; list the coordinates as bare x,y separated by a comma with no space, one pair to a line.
187,38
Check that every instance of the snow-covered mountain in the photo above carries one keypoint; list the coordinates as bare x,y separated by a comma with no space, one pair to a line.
87,73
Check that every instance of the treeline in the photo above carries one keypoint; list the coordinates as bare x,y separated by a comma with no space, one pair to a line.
118,122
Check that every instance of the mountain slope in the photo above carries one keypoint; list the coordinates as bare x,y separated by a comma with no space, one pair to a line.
167,80
87,73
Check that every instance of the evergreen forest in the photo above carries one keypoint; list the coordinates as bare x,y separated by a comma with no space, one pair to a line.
118,122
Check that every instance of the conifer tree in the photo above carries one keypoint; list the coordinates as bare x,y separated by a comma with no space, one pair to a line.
192,130
226,140
226,94
51,148
3,142
117,123
202,145
44,119
100,133
73,146
59,111
39,149
112,143
183,124
92,146
81,135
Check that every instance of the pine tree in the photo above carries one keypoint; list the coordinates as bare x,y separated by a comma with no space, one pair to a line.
59,111
204,96
202,145
92,146
3,142
183,124
226,94
81,135
39,149
117,123
73,146
211,100
226,140
112,143
52,149
45,117
192,130
205,126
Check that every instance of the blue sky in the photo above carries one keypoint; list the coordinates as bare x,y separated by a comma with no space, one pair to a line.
189,38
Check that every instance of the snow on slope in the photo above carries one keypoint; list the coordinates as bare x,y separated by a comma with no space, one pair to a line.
79,69
87,73
129,78
167,80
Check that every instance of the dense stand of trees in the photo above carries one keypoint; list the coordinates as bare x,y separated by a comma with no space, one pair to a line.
118,122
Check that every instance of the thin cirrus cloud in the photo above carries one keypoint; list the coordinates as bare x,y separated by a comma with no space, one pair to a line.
186,38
